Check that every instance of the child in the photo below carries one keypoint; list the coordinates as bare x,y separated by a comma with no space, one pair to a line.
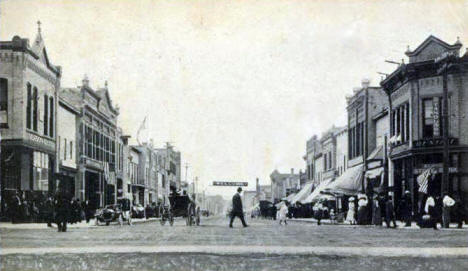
282,213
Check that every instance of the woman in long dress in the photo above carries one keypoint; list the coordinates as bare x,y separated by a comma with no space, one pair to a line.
282,213
350,216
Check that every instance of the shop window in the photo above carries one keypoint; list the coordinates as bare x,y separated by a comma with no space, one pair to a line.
41,171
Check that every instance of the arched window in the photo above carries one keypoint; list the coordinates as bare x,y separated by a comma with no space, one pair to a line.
35,116
46,114
51,117
28,106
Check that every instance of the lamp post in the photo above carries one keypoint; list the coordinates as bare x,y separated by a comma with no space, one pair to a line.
445,62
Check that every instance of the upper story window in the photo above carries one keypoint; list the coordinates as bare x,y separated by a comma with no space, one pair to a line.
431,117
400,123
34,113
3,101
46,115
51,117
3,94
29,106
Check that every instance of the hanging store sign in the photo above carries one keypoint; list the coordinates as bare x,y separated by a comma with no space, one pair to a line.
435,115
230,183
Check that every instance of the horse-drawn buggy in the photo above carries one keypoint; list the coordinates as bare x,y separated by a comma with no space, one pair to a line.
179,205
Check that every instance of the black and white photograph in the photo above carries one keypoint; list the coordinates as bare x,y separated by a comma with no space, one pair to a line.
233,135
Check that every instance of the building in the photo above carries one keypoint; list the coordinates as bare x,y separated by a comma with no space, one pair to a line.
341,138
67,137
312,147
169,161
366,101
136,186
99,143
416,120
29,84
282,185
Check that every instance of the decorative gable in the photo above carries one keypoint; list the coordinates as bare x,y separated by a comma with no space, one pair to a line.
432,48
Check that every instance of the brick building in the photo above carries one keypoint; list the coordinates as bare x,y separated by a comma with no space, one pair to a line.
29,83
416,91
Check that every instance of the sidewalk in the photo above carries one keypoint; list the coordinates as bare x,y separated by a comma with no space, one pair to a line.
83,224
400,224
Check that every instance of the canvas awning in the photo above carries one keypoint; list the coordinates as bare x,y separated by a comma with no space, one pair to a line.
374,173
350,183
288,198
316,193
377,153
304,193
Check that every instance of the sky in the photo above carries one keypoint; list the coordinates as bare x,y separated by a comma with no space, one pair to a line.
237,86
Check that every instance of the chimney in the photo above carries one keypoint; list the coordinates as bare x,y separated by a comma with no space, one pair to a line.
258,186
85,81
365,83
292,171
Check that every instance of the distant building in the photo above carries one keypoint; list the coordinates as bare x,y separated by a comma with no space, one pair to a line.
283,185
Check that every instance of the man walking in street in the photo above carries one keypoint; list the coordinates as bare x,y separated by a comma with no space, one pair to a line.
237,209
390,212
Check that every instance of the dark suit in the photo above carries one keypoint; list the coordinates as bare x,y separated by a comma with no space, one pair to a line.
237,210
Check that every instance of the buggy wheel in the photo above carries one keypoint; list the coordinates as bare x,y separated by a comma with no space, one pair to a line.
171,220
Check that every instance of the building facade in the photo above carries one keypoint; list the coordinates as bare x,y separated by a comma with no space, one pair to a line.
28,107
416,120
99,143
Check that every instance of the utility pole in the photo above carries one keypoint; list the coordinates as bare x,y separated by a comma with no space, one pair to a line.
445,61
186,170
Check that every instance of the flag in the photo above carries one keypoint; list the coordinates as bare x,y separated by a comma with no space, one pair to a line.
423,180
142,127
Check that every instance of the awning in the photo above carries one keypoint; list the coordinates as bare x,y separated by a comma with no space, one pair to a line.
350,183
288,198
278,205
377,153
314,195
304,193
374,173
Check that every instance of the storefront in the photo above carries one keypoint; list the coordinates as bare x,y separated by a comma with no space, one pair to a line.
28,167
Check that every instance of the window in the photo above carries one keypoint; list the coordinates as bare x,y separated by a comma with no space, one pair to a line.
51,117
428,119
46,115
41,171
71,149
325,160
35,116
3,94
28,107
65,149
407,123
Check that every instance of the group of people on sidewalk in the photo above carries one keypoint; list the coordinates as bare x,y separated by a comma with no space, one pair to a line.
57,209
431,211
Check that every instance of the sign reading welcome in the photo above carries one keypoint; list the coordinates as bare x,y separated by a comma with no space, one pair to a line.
230,183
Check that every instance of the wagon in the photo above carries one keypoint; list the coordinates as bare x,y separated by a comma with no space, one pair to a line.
180,206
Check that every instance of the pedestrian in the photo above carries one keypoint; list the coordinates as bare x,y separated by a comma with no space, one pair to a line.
16,208
447,204
318,212
237,209
87,210
405,209
362,213
390,212
283,212
350,216
62,207
459,213
376,212
429,217
49,211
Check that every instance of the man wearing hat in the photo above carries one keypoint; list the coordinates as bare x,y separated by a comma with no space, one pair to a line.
237,209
